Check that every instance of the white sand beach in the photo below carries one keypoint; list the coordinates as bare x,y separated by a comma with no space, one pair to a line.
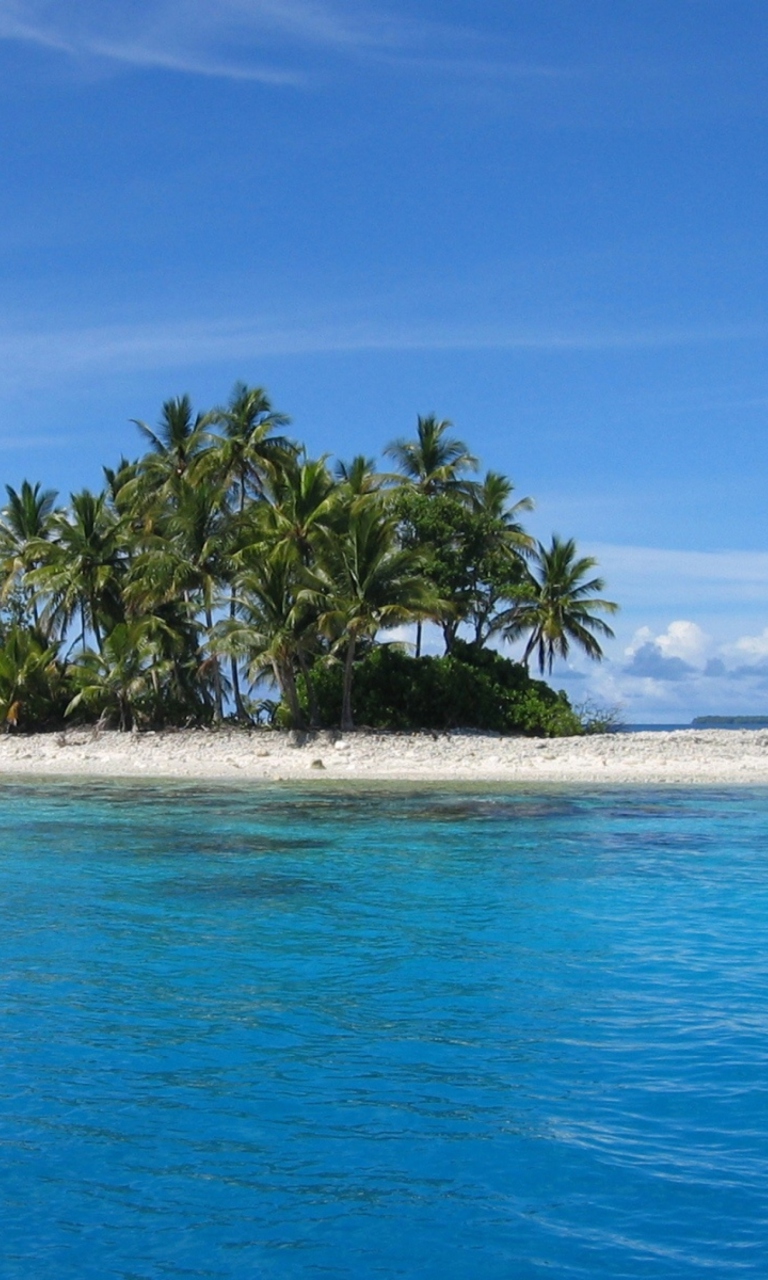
261,755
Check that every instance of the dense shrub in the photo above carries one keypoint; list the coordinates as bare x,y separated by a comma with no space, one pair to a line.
467,689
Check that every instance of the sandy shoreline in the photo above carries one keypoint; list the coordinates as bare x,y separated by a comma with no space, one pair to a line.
706,757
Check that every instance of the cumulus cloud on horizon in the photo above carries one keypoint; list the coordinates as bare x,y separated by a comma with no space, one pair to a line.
650,662
673,655
675,673
685,651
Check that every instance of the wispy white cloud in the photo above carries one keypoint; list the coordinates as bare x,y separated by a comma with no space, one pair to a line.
658,579
224,39
139,56
243,39
28,355
76,22
29,32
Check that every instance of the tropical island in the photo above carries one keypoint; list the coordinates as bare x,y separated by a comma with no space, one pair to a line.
224,556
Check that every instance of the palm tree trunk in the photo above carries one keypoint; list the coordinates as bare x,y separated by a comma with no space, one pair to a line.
529,648
314,709
155,687
347,722
287,684
239,708
418,638
218,700
94,623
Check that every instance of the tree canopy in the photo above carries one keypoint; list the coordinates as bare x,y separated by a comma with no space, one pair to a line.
224,555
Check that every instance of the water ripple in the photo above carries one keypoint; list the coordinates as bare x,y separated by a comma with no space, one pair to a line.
400,1034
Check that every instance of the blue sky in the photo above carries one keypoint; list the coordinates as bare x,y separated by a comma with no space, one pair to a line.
543,220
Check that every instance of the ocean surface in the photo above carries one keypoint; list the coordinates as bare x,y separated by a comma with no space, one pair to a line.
305,1033
754,723
650,728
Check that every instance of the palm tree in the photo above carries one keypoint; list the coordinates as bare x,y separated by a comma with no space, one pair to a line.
359,476
434,461
120,678
26,521
490,497
362,581
432,465
248,451
242,459
174,446
304,503
301,501
496,550
121,485
557,605
189,560
271,630
179,678
81,568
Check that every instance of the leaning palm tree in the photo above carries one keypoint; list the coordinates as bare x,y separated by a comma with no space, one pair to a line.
435,461
362,581
557,606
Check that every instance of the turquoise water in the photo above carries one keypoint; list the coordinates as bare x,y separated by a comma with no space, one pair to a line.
293,1033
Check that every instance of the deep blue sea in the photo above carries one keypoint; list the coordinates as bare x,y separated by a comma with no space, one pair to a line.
304,1033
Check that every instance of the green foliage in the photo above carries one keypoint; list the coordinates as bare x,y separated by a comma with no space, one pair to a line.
225,555
468,688
118,681
472,556
560,606
434,461
34,688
